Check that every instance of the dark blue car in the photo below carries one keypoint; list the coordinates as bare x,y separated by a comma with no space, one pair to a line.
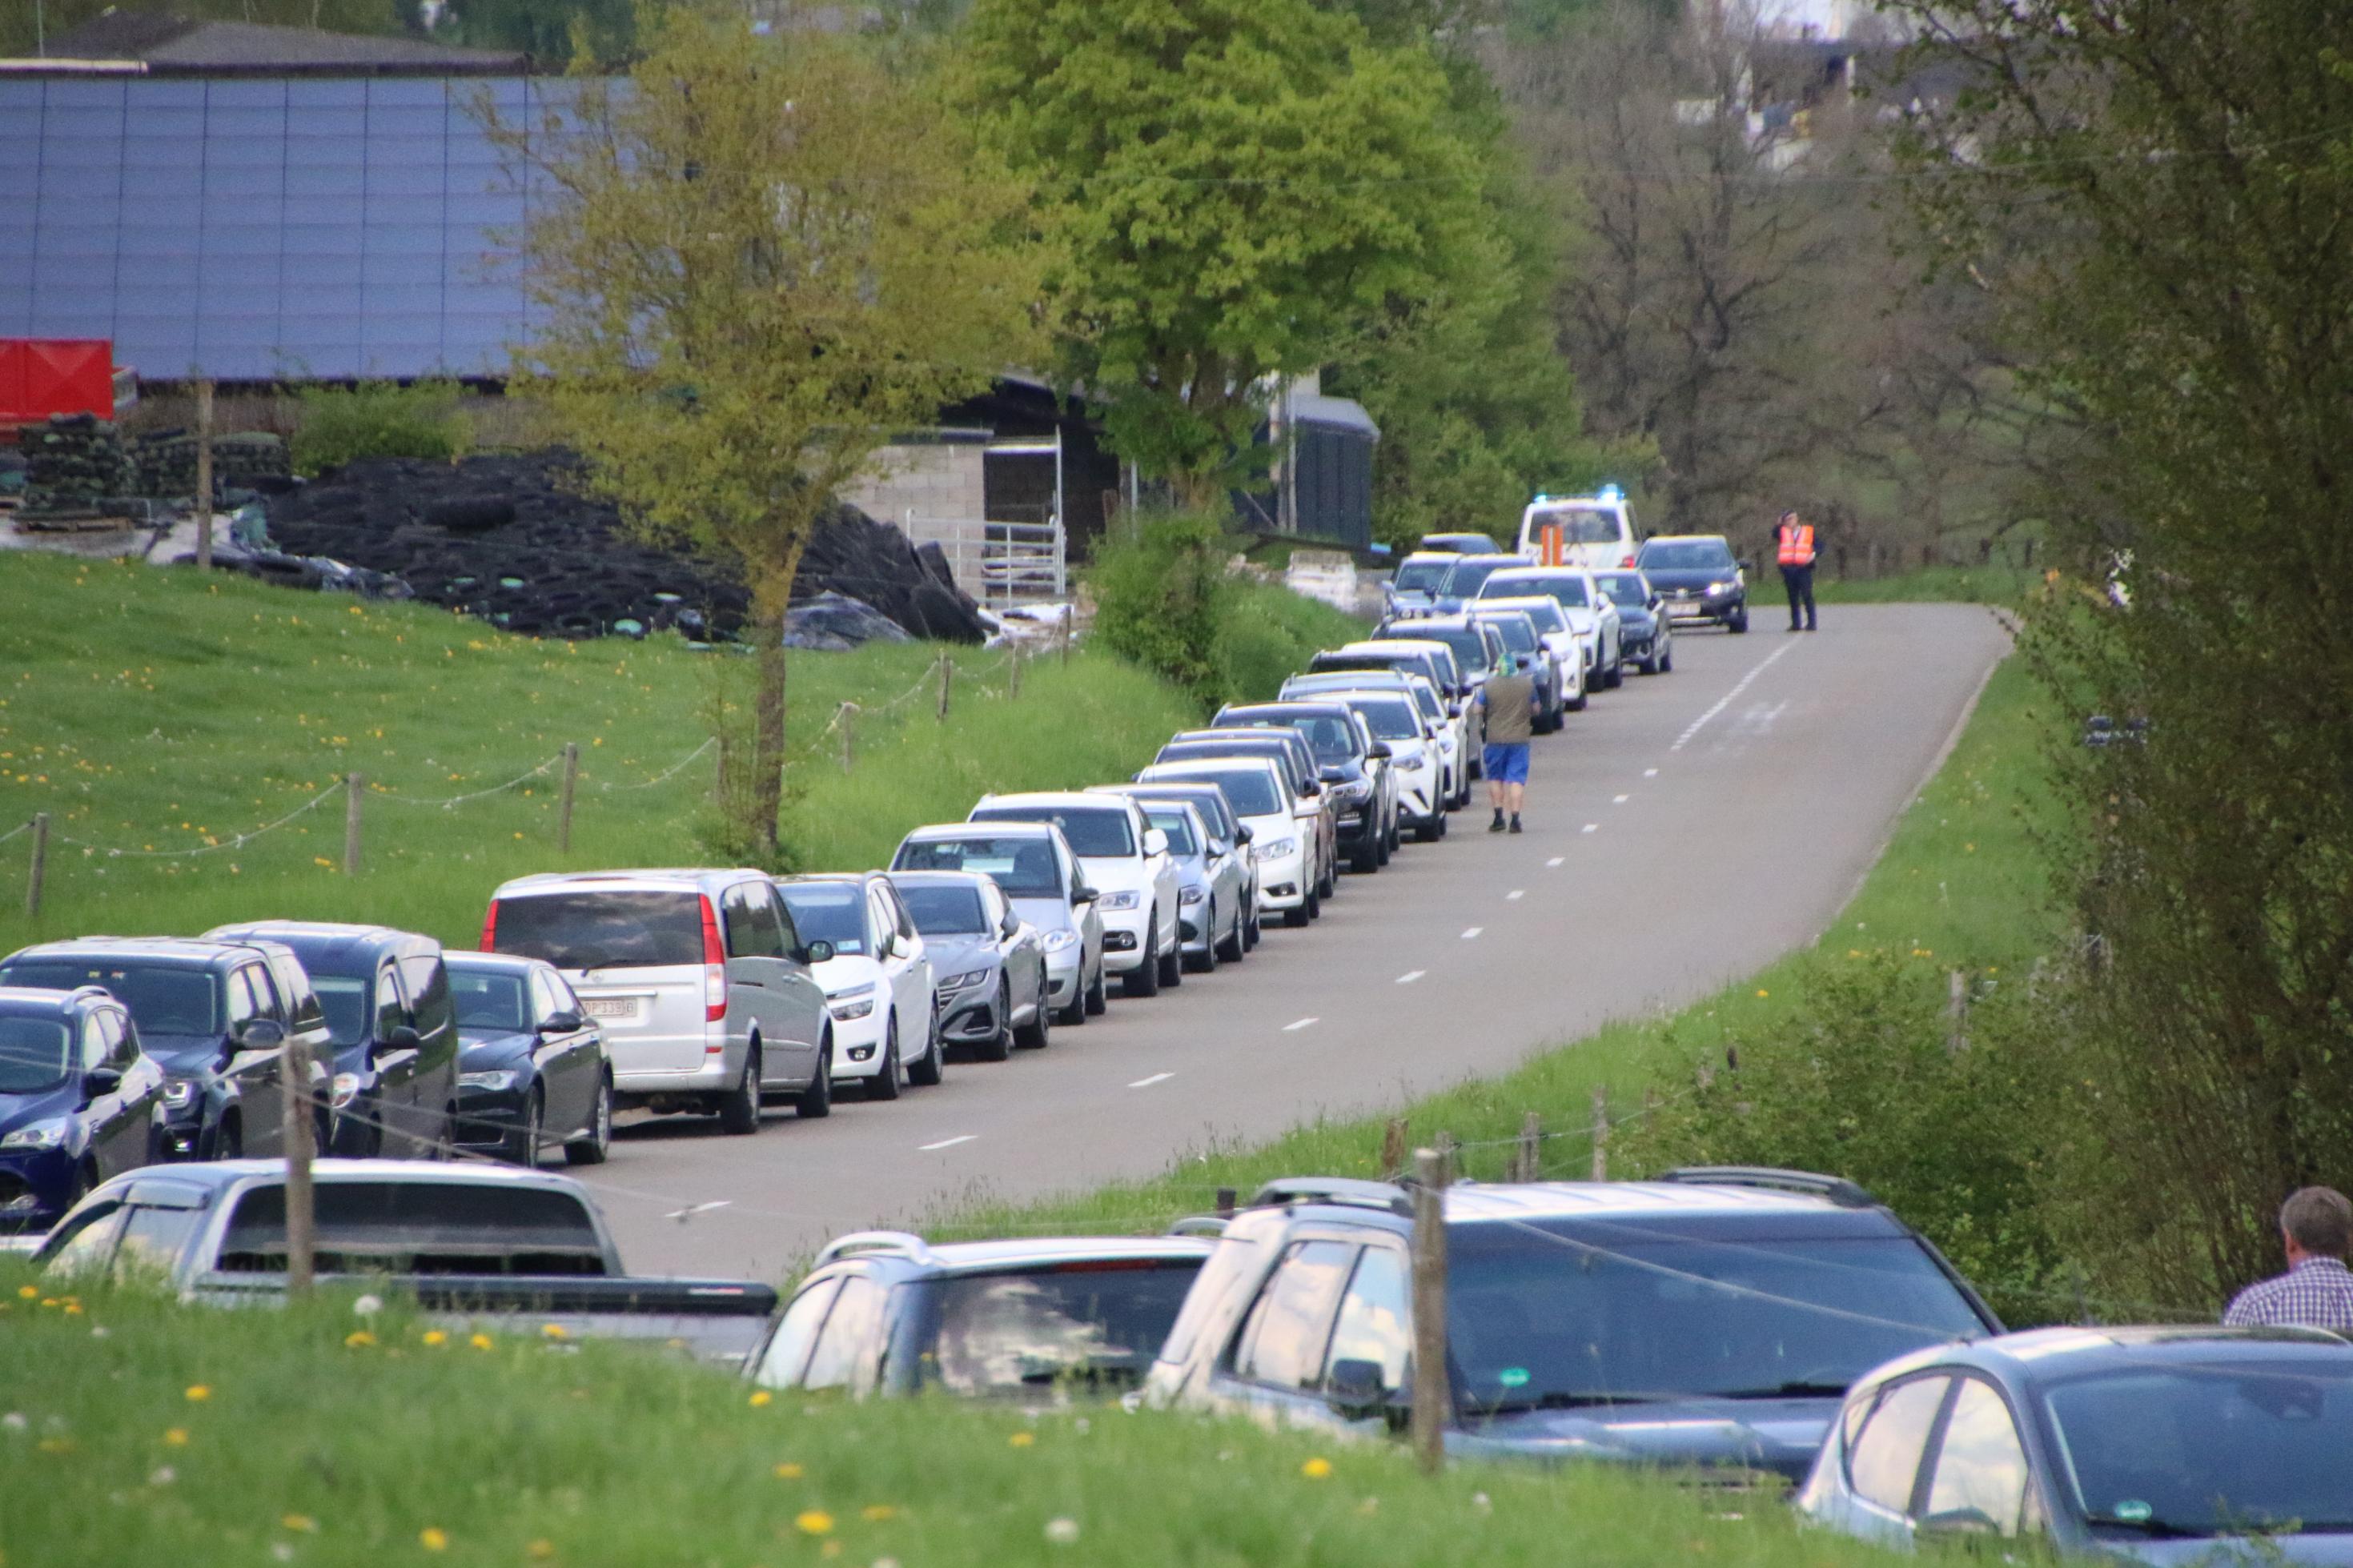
78,1101
532,1068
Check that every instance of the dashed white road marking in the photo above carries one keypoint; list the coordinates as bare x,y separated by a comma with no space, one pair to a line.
1726,700
1517,893
946,1142
1555,861
1410,975
1621,800
1650,773
1593,828
1298,1024
1148,1082
1472,932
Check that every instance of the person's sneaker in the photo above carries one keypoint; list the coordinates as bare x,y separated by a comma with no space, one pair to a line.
1515,822
1496,825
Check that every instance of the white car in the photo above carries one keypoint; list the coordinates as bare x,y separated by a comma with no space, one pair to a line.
1595,531
1260,797
1126,860
879,983
1416,761
1453,690
1559,638
1589,611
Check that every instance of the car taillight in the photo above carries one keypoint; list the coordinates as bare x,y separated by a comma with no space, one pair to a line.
491,927
714,968
1626,561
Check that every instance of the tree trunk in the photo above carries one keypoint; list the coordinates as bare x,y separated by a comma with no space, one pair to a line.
765,800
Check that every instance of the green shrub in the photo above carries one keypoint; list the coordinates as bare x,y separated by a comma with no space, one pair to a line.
378,420
1270,632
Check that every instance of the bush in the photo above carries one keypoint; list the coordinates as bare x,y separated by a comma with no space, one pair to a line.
378,420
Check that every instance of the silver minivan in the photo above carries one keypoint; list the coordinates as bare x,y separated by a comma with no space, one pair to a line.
697,977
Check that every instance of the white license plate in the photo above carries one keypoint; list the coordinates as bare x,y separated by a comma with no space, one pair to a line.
610,1007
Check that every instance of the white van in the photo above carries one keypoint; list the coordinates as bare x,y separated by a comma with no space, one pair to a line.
1597,532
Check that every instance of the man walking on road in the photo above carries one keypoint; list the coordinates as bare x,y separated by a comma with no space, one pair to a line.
2316,1291
1509,698
1793,543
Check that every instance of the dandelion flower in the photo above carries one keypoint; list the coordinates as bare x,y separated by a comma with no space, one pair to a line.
813,1521
433,1538
762,1396
540,1550
1316,1469
1022,1439
198,1393
358,1339
435,1338
301,1522
175,1437
788,1471
29,1293
1762,992
553,1331
480,1342
1061,1531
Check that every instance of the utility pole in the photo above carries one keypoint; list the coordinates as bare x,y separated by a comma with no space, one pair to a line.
1432,1400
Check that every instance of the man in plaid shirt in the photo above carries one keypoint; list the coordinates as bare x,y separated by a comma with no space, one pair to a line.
2316,1291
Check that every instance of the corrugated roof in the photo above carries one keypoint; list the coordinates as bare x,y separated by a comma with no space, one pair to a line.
179,45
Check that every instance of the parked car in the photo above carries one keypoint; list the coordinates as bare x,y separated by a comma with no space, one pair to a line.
1034,865
1713,1318
1210,891
1424,673
478,1245
1225,828
1126,862
386,1000
705,993
1352,764
2159,1446
1462,543
195,1005
1041,1321
1465,577
1589,611
1559,639
1643,629
1280,846
1698,578
1412,588
994,984
1313,816
1416,761
80,1101
531,1066
880,984
1530,651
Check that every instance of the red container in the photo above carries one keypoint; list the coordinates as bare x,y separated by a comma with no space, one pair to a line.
41,376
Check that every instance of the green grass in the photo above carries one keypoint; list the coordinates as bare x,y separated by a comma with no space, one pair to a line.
158,712
305,1449
1961,886
1963,584
1271,633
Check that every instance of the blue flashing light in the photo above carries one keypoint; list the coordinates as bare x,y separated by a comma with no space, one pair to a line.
1611,492
1542,497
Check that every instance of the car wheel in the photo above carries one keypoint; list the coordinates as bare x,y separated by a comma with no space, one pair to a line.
1329,883
521,1146
1666,659
999,1046
739,1108
1037,1034
591,1147
1172,960
816,1102
1144,979
1205,961
1738,623
926,1070
1098,996
1235,945
885,1084
1578,705
228,1143
1071,1016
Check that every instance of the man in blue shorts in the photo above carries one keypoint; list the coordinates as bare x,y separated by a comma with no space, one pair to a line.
1509,698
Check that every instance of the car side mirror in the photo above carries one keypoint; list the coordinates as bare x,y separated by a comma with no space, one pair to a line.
1356,1388
261,1034
1381,751
1745,565
1311,789
817,952
561,1022
1083,894
401,1037
1010,926
100,1081
1242,834
1155,841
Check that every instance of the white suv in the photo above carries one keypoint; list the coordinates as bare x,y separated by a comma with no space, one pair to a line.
1591,613
1126,860
878,984
1256,790
698,979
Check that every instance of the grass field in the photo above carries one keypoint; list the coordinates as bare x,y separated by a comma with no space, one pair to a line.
157,712
1964,584
1959,886
224,1439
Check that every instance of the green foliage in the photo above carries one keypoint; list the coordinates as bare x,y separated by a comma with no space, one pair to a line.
377,419
552,32
1230,191
24,24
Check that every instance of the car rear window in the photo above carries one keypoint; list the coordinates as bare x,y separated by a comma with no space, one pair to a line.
827,911
488,1000
1464,579
1518,636
421,1228
1563,588
1684,554
944,912
1250,792
604,929
1625,587
1469,647
1024,867
1421,576
1179,830
164,999
1390,717
1083,1327
1094,834
1579,527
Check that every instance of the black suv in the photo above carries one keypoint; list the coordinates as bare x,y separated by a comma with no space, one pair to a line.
387,997
1711,1317
215,1015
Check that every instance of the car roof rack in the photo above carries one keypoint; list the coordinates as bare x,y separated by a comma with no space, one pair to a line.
889,1243
1209,1225
1846,1195
1343,1191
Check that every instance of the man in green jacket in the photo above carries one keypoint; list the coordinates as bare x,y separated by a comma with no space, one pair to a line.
1509,698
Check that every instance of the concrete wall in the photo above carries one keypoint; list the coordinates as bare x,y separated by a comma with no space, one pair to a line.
935,479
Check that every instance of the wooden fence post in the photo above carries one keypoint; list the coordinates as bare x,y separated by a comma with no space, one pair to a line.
300,1113
1531,1147
204,473
1450,1153
40,866
1013,674
353,784
1957,1013
563,800
1600,1134
849,736
718,776
1431,1400
947,680
1393,1147
1066,635
1226,1199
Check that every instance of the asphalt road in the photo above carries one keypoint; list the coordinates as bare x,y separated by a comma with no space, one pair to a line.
1684,831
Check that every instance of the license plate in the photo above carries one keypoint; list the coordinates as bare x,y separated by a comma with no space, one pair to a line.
610,1007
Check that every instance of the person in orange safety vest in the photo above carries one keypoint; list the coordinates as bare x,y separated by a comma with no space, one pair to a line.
1793,542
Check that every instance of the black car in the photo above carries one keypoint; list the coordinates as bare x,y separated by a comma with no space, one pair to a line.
387,998
197,1005
1645,638
1698,578
1352,767
78,1101
531,1067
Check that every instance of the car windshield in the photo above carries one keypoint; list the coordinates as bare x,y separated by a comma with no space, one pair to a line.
1421,576
1245,743
1518,636
2232,1446
1578,525
1180,834
1249,791
1390,717
941,910
164,999
1426,700
604,929
1469,573
1686,555
1542,612
1563,588
827,911
489,1001
1205,800
1469,647
1541,1314
1625,587
1024,867
1094,834
1334,738
35,1054
1086,1327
